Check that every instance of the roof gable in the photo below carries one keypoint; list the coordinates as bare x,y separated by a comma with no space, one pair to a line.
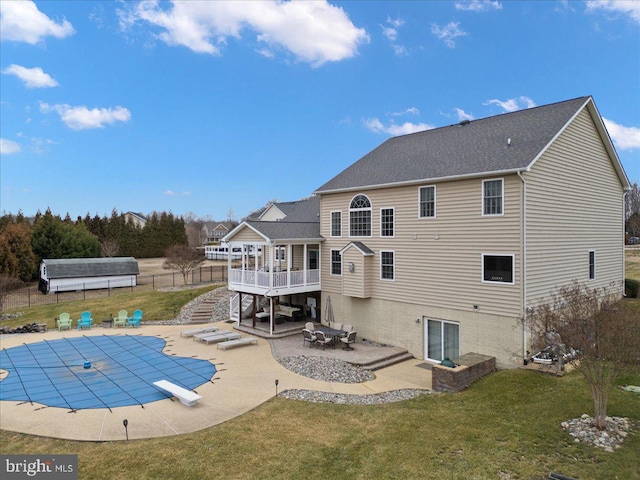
361,247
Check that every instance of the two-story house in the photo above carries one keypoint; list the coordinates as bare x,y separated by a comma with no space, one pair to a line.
439,241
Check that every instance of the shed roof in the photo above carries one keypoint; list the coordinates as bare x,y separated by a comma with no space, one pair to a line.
90,267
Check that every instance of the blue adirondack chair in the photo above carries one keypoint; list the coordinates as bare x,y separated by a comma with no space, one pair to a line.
135,320
85,321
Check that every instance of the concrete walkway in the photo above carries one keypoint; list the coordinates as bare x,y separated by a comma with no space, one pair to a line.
245,379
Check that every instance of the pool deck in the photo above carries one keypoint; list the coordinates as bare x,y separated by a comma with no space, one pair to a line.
245,379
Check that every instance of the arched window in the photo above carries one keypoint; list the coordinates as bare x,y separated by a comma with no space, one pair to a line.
360,216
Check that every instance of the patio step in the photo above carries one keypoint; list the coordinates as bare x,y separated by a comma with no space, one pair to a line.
386,362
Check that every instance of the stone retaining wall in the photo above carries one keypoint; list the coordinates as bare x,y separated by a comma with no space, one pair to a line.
471,367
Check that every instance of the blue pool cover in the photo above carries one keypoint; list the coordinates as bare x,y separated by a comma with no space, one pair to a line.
96,372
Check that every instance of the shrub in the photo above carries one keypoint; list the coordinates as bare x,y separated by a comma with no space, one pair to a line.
631,288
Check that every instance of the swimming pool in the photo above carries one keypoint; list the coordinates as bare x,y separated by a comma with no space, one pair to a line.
96,371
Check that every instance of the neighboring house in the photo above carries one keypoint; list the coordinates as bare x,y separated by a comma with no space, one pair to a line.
440,240
213,232
280,257
137,219
70,274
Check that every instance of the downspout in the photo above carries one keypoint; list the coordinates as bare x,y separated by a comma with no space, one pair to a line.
524,265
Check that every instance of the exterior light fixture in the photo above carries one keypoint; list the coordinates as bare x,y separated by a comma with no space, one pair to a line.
352,267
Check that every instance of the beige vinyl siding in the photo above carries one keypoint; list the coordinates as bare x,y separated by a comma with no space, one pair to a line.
247,235
445,272
574,205
356,283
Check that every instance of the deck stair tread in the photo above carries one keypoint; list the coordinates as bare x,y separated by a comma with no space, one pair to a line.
386,362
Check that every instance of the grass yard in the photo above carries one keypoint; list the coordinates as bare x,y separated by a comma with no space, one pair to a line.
632,264
155,305
505,426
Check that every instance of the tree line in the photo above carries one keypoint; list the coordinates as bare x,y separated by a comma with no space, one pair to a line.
24,242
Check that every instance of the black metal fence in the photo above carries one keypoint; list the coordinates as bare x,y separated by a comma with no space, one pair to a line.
31,297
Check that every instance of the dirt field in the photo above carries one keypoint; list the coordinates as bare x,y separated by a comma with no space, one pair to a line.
153,266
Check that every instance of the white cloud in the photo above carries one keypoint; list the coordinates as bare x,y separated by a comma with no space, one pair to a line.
408,111
512,104
624,7
21,21
478,5
392,128
399,50
81,118
395,22
625,138
390,33
32,77
462,115
448,33
7,147
314,32
171,193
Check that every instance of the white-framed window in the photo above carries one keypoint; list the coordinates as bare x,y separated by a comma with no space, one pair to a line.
336,262
592,264
336,224
442,339
387,226
360,216
493,197
427,202
497,268
387,265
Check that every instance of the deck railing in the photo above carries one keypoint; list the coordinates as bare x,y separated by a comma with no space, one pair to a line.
295,278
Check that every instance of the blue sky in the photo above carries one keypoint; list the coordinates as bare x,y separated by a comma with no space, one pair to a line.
213,107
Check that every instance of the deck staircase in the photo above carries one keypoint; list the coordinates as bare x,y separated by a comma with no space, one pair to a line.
247,306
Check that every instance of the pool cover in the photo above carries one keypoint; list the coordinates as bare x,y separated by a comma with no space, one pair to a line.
96,372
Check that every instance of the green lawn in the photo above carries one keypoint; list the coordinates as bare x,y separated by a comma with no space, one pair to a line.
632,264
155,305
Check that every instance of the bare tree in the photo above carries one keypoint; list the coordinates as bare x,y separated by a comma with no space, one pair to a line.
632,201
109,247
183,259
7,285
604,332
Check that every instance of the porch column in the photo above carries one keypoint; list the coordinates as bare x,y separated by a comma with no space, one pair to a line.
289,265
272,316
305,268
254,311
271,263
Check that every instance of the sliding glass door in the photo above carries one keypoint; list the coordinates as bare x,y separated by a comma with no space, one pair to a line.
442,340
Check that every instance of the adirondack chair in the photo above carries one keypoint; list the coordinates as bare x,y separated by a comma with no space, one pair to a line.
85,321
121,319
135,320
64,321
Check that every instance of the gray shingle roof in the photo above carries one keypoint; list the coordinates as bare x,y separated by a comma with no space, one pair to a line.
288,230
90,267
473,148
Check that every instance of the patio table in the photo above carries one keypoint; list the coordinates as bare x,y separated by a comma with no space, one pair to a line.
332,332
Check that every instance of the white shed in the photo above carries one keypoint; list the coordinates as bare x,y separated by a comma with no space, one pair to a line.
70,274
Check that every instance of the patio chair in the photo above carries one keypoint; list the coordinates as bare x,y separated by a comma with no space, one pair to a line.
135,320
336,326
310,326
64,321
121,319
348,340
308,336
85,320
322,339
347,328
